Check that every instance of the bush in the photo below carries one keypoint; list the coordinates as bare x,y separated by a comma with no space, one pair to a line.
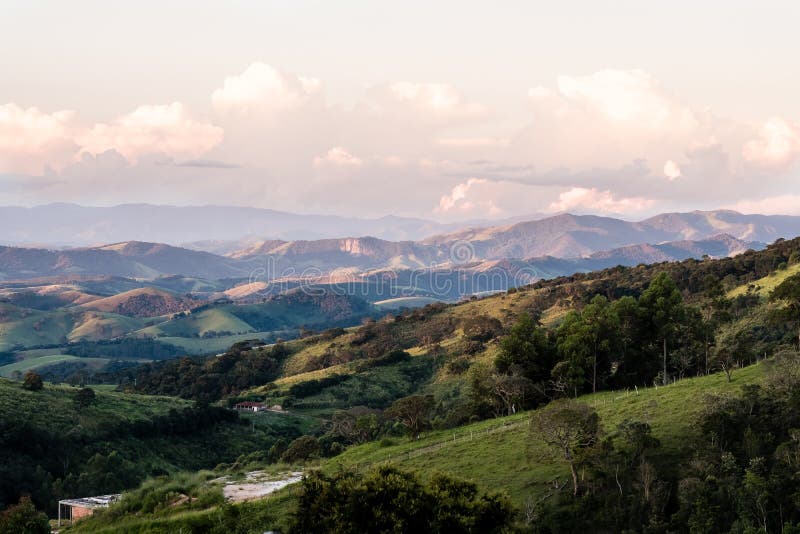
389,499
23,518
301,449
32,381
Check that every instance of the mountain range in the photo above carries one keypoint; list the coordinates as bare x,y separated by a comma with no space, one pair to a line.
554,245
210,228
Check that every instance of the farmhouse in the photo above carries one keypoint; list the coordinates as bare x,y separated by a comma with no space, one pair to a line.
74,509
249,406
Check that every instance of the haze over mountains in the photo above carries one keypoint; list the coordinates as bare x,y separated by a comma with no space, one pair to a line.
72,225
586,241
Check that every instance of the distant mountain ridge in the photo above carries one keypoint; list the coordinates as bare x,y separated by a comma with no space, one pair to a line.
210,228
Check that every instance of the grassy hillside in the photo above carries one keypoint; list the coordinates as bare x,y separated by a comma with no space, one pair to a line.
142,302
29,328
52,447
498,454
764,286
502,454
41,361
204,322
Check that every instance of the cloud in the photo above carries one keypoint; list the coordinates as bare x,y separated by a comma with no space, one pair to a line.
262,87
165,129
777,144
672,170
472,142
788,204
580,199
608,119
436,103
338,156
201,164
632,96
458,195
30,139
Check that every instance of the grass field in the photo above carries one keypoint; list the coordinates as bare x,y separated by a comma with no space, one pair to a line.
405,302
202,322
35,363
502,454
53,407
215,345
764,286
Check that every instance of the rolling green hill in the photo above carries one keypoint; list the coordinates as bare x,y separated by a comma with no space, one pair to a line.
500,454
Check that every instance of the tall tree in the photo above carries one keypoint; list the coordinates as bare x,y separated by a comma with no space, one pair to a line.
412,412
570,428
788,291
525,350
590,338
630,364
663,303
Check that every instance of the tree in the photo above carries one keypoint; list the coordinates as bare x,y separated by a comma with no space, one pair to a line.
388,499
525,350
32,381
630,364
570,428
412,412
590,338
714,303
510,390
23,518
788,291
663,303
301,449
85,397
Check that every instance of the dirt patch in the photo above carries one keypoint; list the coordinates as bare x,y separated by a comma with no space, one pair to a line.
257,484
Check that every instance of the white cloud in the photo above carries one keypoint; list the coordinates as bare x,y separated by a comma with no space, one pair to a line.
580,199
338,156
608,119
632,96
458,195
31,139
166,129
777,144
672,170
262,87
437,103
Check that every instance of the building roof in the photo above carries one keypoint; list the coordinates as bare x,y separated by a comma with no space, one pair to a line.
250,404
101,501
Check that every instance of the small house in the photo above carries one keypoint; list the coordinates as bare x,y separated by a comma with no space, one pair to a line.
249,406
74,509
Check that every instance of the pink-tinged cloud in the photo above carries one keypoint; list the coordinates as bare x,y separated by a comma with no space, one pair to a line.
608,119
627,96
672,170
457,199
436,103
262,87
338,156
777,144
31,139
579,199
778,205
164,129
473,142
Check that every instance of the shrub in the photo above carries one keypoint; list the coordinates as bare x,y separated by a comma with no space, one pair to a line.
23,518
32,381
389,499
301,449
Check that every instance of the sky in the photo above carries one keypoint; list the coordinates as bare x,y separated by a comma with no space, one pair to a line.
449,110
